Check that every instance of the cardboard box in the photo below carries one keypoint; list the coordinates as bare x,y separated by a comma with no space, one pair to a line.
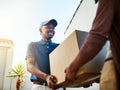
64,54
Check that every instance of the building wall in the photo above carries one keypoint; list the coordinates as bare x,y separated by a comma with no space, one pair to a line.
8,64
6,58
83,17
2,65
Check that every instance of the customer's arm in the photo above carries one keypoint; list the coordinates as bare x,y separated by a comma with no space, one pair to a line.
97,37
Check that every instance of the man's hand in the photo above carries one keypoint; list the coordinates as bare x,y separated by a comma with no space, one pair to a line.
70,75
51,81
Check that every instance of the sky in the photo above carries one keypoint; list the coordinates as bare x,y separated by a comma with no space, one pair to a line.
20,21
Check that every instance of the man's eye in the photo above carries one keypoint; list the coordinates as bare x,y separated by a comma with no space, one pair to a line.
50,31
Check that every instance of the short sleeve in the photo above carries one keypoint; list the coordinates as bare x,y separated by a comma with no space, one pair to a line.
30,51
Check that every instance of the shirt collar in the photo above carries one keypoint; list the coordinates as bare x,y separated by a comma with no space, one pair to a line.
43,42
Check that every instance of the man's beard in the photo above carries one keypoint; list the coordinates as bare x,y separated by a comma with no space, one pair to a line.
49,37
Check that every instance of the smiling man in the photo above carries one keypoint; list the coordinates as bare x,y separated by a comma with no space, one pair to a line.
37,57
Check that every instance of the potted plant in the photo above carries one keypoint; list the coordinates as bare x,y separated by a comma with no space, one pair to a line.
18,71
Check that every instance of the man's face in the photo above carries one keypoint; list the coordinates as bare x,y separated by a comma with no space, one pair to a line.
47,31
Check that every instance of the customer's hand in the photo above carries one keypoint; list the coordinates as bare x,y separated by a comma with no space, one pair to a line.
70,75
51,81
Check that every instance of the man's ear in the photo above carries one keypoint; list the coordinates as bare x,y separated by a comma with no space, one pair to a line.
40,30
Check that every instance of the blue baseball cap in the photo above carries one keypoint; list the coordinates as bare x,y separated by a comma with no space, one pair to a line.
52,21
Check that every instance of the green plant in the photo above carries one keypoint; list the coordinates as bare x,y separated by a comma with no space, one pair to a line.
18,71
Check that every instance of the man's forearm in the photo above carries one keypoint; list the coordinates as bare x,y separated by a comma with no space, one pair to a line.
32,69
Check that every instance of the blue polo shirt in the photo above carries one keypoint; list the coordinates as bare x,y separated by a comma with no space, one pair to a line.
40,51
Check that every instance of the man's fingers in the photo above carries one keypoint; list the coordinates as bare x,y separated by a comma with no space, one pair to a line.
54,79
